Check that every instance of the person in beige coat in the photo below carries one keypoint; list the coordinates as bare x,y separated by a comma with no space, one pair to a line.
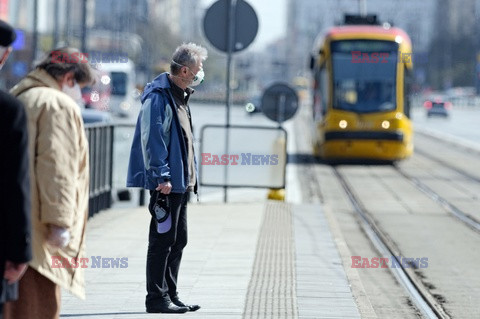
59,184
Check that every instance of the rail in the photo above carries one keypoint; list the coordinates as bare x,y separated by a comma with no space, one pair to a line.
420,295
100,141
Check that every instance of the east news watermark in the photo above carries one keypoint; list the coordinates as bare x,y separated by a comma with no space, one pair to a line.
385,57
93,262
389,262
244,159
92,57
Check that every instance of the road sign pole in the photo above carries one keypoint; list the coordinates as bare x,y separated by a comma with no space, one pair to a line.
281,114
223,33
279,193
279,103
230,37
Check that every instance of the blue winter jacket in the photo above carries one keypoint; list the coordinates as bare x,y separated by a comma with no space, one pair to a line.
158,151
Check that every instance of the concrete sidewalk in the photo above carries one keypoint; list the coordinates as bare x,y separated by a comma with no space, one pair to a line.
267,260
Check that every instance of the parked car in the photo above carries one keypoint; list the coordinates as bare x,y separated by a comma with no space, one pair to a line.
96,116
437,108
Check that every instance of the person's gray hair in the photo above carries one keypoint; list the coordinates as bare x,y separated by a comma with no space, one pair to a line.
187,54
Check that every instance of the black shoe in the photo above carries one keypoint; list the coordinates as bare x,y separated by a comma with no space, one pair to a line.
166,306
177,302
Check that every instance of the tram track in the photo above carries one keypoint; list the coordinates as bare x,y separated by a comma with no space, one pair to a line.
451,208
448,206
446,164
428,304
408,210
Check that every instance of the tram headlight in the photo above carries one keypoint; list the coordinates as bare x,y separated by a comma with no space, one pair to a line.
386,124
343,124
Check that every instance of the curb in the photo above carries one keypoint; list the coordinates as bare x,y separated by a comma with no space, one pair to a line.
361,299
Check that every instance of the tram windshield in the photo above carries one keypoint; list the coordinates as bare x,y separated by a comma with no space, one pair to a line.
364,75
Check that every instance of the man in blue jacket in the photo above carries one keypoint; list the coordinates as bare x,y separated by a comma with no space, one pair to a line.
162,160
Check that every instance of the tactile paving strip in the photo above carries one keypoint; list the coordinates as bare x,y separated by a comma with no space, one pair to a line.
271,292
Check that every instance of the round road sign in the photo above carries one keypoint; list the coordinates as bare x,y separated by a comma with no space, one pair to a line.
216,22
279,102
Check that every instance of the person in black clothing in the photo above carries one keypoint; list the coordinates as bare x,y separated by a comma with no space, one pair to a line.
15,249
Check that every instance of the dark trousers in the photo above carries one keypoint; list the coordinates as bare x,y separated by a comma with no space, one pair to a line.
165,252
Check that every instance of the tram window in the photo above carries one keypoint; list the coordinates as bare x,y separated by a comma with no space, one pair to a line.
407,91
324,89
119,83
364,87
320,93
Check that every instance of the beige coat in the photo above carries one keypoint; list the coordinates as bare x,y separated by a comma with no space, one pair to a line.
59,179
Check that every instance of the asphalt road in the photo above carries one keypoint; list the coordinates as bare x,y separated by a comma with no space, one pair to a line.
462,123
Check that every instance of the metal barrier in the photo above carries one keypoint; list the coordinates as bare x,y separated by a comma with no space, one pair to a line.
100,141
123,140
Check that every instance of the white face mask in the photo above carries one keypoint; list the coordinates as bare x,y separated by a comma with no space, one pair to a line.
198,78
74,92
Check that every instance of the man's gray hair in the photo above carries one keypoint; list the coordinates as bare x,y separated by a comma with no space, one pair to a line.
188,54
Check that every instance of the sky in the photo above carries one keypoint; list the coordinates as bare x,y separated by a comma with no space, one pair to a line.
272,17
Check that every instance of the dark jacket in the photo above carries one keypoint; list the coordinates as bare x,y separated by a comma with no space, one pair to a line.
158,151
15,227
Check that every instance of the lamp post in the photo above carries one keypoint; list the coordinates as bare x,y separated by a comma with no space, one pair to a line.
35,30
362,7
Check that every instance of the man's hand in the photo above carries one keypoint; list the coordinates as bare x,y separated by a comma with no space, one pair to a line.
164,188
13,272
57,237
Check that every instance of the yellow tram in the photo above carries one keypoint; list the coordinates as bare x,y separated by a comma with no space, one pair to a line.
360,106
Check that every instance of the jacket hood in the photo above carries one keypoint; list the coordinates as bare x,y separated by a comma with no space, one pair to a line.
36,78
160,82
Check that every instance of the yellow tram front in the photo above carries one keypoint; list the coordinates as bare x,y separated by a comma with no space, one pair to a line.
360,102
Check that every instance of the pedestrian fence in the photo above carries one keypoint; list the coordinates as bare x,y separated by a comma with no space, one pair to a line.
100,141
